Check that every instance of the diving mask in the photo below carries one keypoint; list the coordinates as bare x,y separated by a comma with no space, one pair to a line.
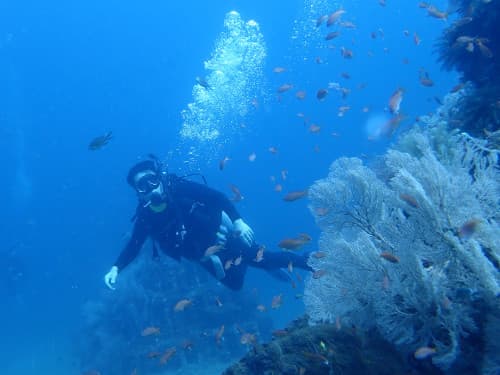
147,183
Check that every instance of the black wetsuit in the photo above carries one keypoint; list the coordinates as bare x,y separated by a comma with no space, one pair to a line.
188,226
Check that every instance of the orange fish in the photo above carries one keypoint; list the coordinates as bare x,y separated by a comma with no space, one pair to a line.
284,88
338,324
389,257
260,254
318,274
332,35
425,80
277,301
416,39
223,162
342,110
236,193
167,355
390,126
187,345
301,95
294,243
436,13
348,25
424,352
334,17
321,19
218,301
409,199
153,355
237,261
284,174
313,128
183,304
346,53
395,100
248,339
485,51
261,308
321,211
468,228
385,282
219,334
294,195
150,331
279,332
446,303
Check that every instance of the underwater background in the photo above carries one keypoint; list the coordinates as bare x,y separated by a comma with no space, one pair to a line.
210,88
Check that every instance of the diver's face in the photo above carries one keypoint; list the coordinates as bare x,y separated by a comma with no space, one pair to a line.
147,184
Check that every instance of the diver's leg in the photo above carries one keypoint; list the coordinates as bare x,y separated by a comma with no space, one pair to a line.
222,267
235,276
276,259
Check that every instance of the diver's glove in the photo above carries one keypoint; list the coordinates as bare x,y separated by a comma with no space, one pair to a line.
226,226
246,233
110,277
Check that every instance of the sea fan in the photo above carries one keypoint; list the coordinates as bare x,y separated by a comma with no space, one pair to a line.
471,46
398,259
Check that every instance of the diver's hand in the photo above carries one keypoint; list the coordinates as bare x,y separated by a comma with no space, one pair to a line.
226,225
246,233
110,277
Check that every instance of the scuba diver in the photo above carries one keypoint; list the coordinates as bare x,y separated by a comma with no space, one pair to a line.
191,220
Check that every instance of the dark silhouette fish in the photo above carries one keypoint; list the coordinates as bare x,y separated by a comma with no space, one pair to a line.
101,141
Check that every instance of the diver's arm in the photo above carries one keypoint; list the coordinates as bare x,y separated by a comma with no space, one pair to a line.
128,254
134,245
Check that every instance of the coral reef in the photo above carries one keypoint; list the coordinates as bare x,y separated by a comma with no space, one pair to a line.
412,243
110,340
324,349
471,46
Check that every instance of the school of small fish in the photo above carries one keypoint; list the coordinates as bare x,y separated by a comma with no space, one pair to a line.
336,33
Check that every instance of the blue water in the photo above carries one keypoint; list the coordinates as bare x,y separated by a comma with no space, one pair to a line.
71,71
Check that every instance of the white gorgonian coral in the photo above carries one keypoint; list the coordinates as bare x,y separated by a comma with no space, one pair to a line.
432,208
